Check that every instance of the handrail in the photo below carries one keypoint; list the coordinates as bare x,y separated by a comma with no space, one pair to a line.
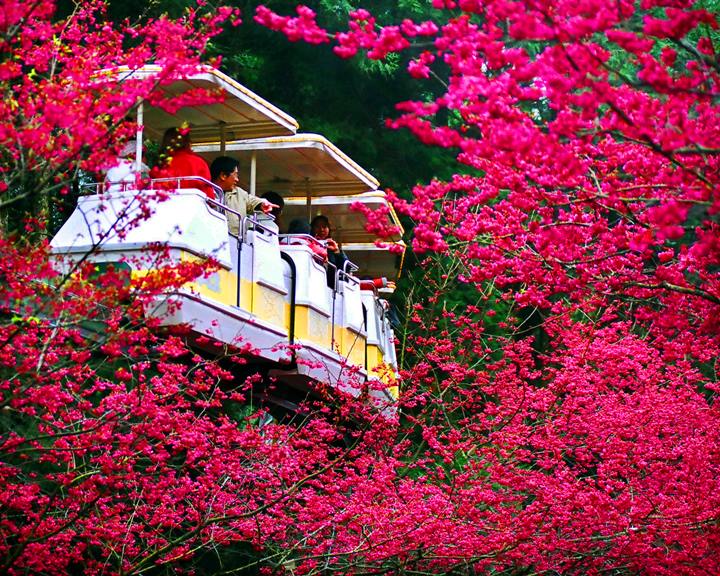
148,184
347,271
346,274
252,219
177,179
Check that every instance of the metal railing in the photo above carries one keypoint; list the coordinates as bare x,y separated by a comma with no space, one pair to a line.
151,184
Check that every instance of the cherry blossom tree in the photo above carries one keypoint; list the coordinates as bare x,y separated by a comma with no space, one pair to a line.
123,450
560,409
558,412
61,114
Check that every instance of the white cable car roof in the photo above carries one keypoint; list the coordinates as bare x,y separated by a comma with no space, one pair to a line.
348,228
375,261
241,113
300,164
315,177
348,225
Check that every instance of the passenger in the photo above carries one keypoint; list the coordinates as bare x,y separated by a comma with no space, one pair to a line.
123,175
177,160
377,284
301,227
277,200
224,173
320,229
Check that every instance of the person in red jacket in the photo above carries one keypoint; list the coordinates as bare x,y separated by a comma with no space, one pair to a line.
179,161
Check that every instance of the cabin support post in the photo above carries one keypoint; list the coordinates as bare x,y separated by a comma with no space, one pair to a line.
253,173
308,200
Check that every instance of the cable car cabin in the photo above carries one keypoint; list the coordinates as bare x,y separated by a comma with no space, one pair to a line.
315,177
270,296
376,264
270,292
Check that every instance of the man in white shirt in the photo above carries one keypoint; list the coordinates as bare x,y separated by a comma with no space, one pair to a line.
224,173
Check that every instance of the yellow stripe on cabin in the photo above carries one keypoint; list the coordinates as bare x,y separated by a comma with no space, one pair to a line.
269,305
220,285
351,345
312,326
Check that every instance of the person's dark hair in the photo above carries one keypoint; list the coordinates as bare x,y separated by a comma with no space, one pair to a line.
175,139
222,165
319,218
298,226
275,198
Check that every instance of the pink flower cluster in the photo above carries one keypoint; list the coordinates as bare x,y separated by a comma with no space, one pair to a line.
59,113
302,28
558,410
562,400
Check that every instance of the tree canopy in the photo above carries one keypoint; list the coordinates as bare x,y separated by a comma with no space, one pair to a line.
558,414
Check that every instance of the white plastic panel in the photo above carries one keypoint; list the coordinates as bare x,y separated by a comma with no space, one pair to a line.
132,219
373,320
267,262
311,287
352,306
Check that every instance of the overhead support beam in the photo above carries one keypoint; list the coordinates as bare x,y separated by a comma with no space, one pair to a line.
253,174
